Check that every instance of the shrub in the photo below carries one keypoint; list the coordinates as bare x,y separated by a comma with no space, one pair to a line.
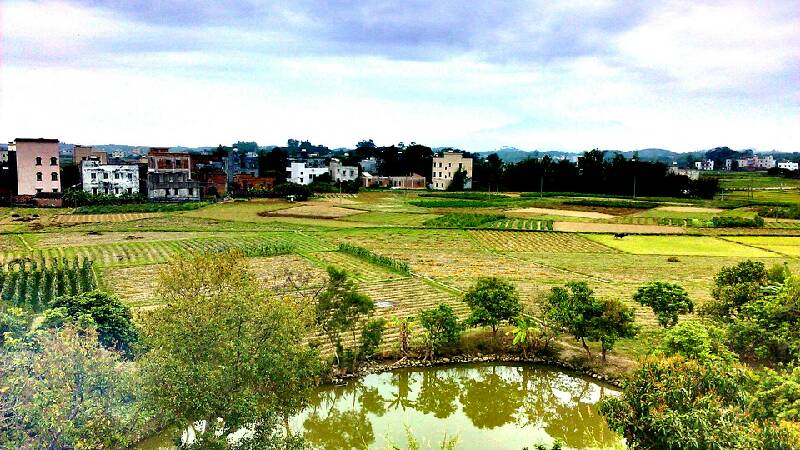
491,302
111,317
702,341
139,208
34,284
736,222
385,261
666,299
441,328
459,220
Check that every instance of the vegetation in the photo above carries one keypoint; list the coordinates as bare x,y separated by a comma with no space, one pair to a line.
492,301
737,222
139,208
222,351
458,220
702,341
441,327
34,284
612,203
667,300
385,261
671,403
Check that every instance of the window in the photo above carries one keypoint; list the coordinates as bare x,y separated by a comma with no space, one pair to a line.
54,176
55,189
191,192
38,190
130,191
94,190
105,175
116,176
53,161
130,176
38,176
38,160
94,176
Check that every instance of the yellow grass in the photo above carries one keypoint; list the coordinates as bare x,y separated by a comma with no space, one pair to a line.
561,212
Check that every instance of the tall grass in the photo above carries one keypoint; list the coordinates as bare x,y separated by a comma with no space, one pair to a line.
380,260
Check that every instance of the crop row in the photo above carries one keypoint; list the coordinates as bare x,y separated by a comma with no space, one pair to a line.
523,224
537,242
35,283
151,252
374,258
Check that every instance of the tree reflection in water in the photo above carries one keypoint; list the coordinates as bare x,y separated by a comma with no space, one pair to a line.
488,397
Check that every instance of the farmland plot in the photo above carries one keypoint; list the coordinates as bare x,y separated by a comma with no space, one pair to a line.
538,242
318,211
680,245
101,218
359,269
785,245
395,240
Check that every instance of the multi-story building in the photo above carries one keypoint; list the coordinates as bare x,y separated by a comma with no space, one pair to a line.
241,163
757,163
369,165
789,165
304,172
169,176
707,164
413,181
341,172
445,166
34,164
109,179
692,174
244,182
84,153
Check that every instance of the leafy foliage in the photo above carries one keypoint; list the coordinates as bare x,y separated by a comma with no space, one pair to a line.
674,403
734,222
139,208
222,350
441,327
702,341
458,220
667,301
491,302
34,284
67,392
385,261
110,316
735,286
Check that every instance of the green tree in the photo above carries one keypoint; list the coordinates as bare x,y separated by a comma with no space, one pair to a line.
667,301
459,180
703,341
112,318
572,308
67,392
616,321
530,335
735,286
673,403
441,327
14,323
222,350
339,308
492,301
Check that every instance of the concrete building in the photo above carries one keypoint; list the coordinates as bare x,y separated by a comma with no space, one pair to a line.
241,163
413,181
789,165
84,153
341,172
304,172
693,174
757,163
244,182
169,176
34,164
109,179
445,166
707,164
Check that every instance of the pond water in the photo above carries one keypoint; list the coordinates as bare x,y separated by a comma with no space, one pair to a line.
485,406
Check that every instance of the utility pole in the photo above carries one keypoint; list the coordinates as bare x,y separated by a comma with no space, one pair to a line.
541,186
634,186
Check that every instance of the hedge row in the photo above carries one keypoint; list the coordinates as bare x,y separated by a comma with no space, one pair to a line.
385,261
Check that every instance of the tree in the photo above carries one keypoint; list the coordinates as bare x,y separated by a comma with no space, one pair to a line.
441,328
459,180
221,350
492,301
111,317
673,403
67,392
693,339
14,323
616,321
530,335
573,308
339,308
735,286
667,301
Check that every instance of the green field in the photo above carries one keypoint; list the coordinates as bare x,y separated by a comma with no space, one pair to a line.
128,250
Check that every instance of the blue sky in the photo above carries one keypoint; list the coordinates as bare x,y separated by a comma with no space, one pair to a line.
477,75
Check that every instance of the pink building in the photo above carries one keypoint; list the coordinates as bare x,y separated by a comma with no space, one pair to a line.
36,164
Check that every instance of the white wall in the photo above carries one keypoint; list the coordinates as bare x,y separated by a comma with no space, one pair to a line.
112,179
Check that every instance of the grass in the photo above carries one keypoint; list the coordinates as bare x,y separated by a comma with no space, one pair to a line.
785,245
680,245
139,208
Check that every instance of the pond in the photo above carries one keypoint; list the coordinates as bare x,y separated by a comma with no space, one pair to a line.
484,406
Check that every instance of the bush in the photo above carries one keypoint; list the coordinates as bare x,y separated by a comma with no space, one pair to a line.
466,195
693,339
666,299
459,220
631,204
736,222
385,261
139,208
441,328
301,193
111,317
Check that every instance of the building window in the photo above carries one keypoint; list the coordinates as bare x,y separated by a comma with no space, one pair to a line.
94,176
130,191
38,160
130,176
38,190
54,176
55,190
116,176
53,161
94,191
38,176
191,192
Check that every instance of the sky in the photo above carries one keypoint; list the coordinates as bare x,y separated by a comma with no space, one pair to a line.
475,75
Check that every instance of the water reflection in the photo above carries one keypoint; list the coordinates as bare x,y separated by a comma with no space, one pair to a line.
488,406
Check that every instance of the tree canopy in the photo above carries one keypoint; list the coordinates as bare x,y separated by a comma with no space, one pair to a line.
667,301
492,301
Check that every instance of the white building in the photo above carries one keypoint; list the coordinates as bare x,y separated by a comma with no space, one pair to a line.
304,172
789,165
704,165
109,179
369,165
445,166
342,173
757,163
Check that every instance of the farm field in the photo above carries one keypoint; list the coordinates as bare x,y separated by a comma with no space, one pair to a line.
128,250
